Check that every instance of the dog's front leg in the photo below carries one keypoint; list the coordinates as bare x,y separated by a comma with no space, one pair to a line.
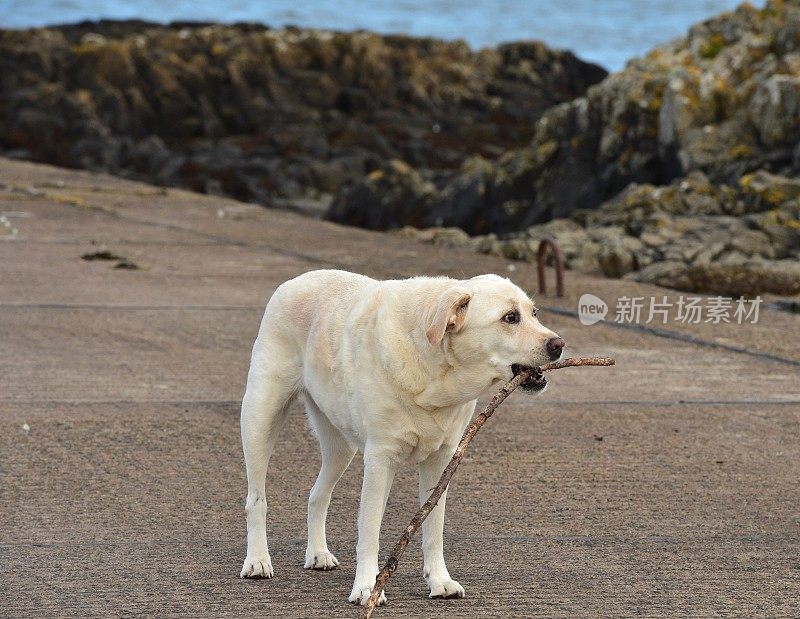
435,571
379,472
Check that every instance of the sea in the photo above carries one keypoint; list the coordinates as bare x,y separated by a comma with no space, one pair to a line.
607,32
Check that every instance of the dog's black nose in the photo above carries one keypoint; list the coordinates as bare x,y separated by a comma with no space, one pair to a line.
554,346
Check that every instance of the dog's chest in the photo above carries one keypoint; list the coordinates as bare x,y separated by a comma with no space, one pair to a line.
430,431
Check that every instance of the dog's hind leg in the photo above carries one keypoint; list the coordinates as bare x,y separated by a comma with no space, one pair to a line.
271,386
336,457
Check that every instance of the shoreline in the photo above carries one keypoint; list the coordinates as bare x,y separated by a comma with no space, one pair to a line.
268,115
679,170
605,34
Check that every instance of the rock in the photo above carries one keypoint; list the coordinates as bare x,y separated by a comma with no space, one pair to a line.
762,190
466,198
489,244
775,109
606,234
445,237
557,228
709,253
638,234
718,104
585,258
681,168
615,261
748,279
733,257
269,115
150,155
751,243
517,249
670,274
782,227
394,188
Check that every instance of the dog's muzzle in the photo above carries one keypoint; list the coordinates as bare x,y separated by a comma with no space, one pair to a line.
535,382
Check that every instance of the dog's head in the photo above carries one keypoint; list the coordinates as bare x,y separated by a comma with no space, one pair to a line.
490,327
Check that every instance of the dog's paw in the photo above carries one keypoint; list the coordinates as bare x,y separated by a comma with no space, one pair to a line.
323,560
360,595
257,567
446,588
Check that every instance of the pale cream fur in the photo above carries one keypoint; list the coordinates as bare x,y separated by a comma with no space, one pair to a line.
391,368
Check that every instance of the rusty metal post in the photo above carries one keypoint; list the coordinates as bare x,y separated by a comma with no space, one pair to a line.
559,260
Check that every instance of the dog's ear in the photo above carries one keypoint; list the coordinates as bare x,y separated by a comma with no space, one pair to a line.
450,313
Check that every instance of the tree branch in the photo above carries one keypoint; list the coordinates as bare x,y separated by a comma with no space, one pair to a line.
450,469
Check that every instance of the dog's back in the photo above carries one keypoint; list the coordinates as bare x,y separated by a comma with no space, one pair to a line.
299,303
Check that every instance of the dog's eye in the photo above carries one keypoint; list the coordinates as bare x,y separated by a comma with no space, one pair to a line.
535,312
511,318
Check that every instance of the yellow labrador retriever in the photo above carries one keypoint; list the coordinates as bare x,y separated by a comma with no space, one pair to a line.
392,368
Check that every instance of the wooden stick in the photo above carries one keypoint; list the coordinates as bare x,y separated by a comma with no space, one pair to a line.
450,469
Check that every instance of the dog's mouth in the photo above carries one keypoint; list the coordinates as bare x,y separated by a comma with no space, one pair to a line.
535,382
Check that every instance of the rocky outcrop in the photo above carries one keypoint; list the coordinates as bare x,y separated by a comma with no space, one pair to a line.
724,101
683,170
690,235
273,116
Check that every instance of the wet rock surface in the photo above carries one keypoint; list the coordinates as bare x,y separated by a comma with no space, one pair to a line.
282,117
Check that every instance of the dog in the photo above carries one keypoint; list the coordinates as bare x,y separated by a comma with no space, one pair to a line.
392,368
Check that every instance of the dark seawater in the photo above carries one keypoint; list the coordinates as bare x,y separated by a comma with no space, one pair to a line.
607,32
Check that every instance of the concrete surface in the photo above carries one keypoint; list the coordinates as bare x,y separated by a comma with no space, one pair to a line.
667,486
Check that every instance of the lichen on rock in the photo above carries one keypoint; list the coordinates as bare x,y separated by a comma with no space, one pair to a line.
682,168
724,101
268,115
